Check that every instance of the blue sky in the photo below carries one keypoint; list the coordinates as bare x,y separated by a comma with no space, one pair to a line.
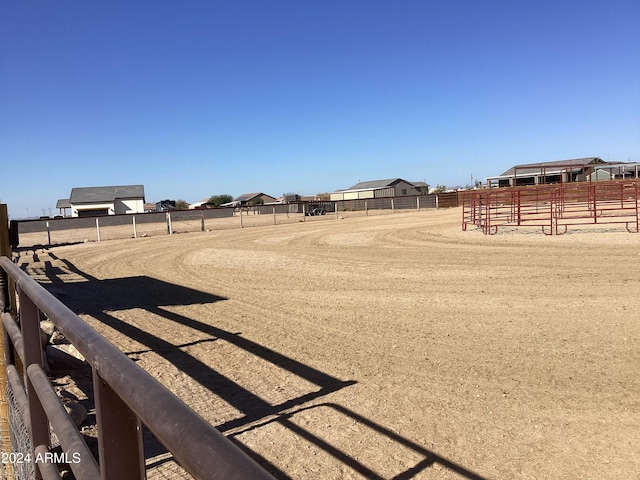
198,98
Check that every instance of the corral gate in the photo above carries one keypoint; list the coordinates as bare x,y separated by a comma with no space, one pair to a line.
554,208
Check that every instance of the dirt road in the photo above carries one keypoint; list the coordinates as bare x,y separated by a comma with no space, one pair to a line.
391,346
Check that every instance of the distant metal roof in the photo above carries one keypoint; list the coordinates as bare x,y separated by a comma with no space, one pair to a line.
620,166
105,194
550,167
247,197
372,184
199,204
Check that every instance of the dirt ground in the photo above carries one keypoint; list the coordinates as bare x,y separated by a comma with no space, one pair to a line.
388,346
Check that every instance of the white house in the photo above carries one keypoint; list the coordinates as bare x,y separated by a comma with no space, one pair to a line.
199,204
92,201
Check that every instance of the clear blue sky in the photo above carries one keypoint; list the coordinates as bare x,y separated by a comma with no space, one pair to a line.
198,98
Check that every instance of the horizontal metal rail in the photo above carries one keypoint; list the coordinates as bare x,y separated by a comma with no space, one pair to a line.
13,330
195,444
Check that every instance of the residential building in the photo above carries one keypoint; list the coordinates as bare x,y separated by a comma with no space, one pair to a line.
249,199
113,200
393,187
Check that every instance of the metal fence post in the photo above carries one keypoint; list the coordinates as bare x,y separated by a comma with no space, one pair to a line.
30,325
6,304
5,251
169,225
120,444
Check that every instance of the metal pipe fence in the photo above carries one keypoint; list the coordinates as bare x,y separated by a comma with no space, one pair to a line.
554,208
126,397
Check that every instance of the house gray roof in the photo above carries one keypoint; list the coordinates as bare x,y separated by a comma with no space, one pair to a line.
105,194
63,203
247,197
550,167
372,184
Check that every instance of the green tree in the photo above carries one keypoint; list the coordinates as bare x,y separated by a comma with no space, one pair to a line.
217,200
439,189
181,205
257,201
291,197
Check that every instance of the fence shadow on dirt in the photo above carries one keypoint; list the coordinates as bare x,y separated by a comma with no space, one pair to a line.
100,298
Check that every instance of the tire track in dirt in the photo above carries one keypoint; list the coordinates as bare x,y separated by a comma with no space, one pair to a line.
513,355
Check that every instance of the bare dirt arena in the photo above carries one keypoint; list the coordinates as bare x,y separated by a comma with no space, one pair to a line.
389,346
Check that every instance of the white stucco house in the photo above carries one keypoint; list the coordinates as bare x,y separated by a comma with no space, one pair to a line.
115,200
